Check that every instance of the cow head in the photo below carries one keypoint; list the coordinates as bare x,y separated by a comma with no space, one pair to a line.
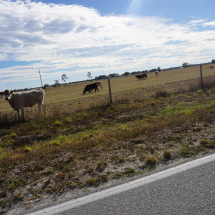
7,94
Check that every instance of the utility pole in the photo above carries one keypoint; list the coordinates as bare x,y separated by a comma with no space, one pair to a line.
41,79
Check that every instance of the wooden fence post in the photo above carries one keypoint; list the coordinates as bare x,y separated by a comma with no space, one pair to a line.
110,91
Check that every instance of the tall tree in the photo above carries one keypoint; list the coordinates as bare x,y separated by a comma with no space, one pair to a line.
185,64
89,76
126,74
56,83
64,77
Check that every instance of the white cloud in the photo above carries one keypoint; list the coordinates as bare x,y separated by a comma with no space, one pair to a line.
197,22
62,37
212,24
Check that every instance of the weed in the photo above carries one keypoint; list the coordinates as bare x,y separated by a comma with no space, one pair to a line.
197,129
176,139
124,127
101,166
167,155
150,161
27,149
189,151
142,157
57,122
92,182
84,157
150,149
68,119
17,182
206,124
129,171
55,142
121,160
2,155
61,137
207,144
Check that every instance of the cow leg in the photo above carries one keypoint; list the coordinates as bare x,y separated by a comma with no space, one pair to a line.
44,108
22,113
39,108
18,112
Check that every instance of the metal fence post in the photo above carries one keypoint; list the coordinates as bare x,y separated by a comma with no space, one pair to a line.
110,91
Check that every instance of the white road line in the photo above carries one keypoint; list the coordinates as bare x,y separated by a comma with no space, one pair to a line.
124,187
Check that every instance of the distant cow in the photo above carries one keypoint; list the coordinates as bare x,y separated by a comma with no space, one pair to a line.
19,100
99,84
156,73
211,67
90,87
142,76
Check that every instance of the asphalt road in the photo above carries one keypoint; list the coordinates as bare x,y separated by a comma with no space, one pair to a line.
189,192
185,189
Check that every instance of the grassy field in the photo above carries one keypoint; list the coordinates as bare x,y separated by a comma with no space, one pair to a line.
75,91
84,141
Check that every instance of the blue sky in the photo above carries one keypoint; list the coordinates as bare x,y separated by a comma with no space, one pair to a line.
101,37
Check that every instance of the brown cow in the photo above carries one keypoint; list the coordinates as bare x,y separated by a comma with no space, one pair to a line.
142,76
211,67
20,100
90,87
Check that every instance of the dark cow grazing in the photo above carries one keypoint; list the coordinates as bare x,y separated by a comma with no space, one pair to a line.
211,67
20,100
142,76
90,87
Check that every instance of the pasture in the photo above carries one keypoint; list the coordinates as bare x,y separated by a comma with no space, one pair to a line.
84,142
75,91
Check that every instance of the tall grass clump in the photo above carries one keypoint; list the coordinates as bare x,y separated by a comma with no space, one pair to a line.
167,155
209,82
7,118
150,160
194,86
162,93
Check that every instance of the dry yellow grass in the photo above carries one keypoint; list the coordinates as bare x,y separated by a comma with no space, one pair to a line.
75,91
